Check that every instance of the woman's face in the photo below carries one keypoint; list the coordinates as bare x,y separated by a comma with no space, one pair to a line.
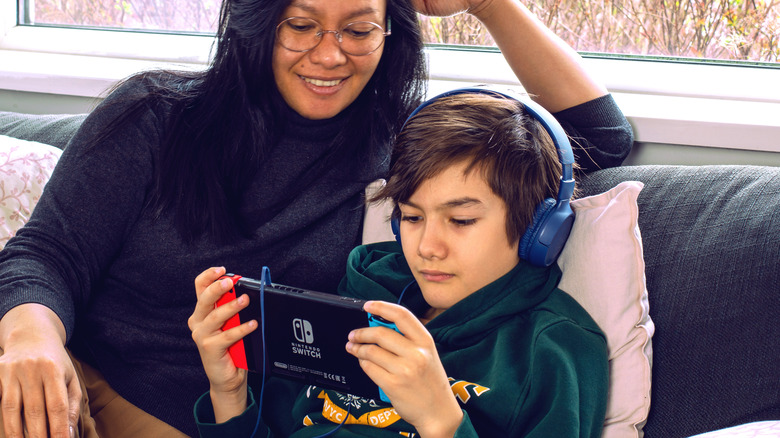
322,82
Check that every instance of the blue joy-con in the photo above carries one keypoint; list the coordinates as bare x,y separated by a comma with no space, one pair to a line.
378,321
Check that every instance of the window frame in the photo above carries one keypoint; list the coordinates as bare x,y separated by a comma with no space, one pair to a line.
670,102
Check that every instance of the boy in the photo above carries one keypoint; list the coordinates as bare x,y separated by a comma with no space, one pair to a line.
490,347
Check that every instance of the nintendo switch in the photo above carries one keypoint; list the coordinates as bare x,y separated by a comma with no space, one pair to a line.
305,335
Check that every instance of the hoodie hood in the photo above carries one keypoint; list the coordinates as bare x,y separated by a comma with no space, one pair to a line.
522,288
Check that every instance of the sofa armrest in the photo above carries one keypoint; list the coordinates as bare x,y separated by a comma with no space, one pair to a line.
51,129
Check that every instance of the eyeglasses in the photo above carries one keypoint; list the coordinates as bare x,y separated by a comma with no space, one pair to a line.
300,34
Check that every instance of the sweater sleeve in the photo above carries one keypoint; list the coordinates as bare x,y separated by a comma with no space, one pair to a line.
466,429
279,397
601,136
240,425
79,225
568,384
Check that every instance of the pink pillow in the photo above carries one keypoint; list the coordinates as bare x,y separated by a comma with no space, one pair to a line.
25,167
603,269
376,216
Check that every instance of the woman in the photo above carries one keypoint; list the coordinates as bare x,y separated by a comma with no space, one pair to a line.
259,160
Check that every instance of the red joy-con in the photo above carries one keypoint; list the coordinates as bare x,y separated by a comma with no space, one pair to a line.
236,351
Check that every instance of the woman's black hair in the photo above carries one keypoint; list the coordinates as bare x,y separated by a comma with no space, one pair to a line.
225,118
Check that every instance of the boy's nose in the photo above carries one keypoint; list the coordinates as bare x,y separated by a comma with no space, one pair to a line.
432,243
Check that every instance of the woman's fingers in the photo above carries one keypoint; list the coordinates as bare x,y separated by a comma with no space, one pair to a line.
40,396
74,405
57,408
11,405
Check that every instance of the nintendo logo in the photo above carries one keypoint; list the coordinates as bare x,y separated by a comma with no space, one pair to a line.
302,331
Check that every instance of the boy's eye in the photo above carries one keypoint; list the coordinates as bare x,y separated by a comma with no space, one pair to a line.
410,218
463,222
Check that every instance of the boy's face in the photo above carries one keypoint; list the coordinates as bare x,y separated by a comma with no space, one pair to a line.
453,233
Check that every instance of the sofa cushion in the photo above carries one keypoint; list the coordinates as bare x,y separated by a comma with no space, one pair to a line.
55,129
711,239
759,429
25,168
604,271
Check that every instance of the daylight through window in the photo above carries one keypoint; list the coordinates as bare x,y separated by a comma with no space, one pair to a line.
737,30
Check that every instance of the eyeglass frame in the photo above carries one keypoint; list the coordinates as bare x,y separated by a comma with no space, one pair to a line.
336,33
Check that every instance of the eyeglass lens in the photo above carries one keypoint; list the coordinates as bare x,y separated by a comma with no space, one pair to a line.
301,34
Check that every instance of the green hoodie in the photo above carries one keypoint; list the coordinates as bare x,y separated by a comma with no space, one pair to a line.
523,357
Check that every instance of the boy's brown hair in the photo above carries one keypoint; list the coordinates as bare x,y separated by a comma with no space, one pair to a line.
511,149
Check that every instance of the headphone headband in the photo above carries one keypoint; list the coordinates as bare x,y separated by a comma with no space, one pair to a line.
550,124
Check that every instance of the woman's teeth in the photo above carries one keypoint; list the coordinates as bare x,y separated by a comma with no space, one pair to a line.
320,83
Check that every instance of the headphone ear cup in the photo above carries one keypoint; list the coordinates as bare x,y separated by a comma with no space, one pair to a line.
395,225
532,232
545,237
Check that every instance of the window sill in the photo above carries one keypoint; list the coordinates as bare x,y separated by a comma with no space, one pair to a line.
666,102
671,103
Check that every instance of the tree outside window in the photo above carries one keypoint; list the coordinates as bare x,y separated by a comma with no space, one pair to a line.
742,30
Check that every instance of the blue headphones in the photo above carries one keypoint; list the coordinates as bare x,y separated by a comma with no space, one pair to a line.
545,237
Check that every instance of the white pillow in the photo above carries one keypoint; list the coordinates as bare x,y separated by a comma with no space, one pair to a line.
25,168
604,270
759,429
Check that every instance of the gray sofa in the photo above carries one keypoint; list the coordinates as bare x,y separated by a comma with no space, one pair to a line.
711,237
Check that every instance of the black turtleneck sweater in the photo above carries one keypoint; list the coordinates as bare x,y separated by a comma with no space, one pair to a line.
121,279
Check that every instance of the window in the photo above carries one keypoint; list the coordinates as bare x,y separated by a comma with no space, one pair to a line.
195,16
743,30
685,72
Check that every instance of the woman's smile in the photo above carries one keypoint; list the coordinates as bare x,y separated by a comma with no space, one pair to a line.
322,82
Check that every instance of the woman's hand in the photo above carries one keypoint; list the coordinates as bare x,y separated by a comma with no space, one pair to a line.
440,8
408,369
228,383
547,67
445,8
40,390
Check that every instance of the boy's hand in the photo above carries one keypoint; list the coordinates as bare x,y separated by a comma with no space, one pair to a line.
228,383
408,369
